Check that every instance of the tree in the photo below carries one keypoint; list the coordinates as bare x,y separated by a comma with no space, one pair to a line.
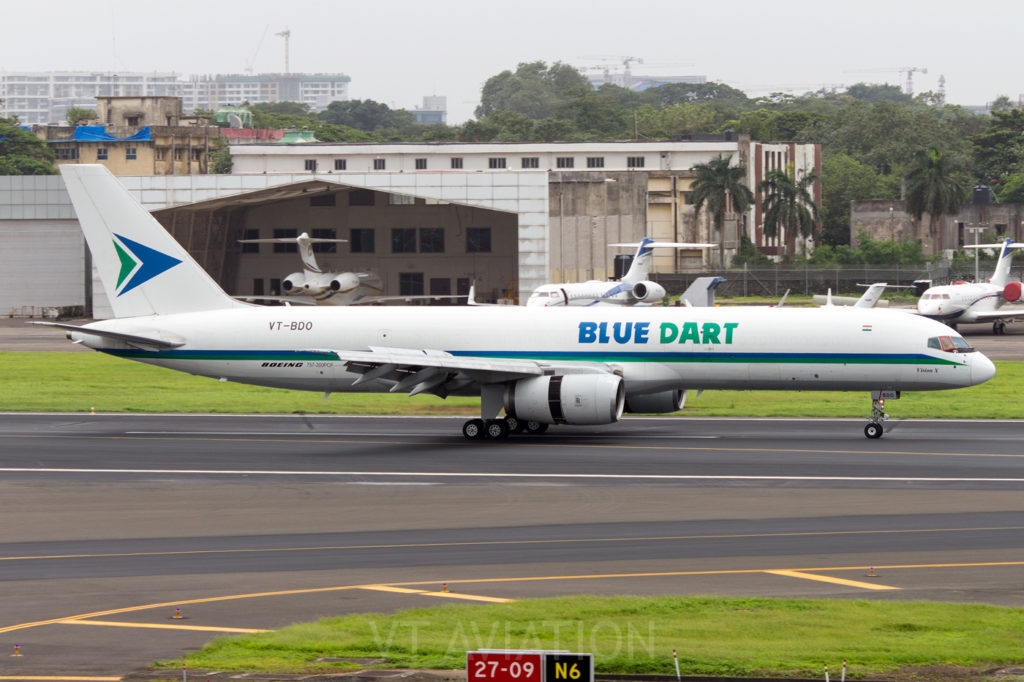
932,189
534,89
789,205
717,182
845,179
22,153
76,114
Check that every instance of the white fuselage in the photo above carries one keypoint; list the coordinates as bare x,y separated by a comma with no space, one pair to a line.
959,303
655,348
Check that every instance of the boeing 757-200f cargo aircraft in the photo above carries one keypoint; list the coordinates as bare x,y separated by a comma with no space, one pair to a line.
541,366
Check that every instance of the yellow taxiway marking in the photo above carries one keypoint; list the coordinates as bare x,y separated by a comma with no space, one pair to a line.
160,626
512,579
443,594
830,579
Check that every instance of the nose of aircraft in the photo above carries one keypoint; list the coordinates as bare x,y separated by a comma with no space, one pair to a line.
982,369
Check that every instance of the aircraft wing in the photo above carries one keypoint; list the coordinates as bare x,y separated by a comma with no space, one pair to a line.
441,373
373,300
998,314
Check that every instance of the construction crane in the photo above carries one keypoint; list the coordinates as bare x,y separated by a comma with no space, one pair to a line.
286,34
908,87
627,76
252,58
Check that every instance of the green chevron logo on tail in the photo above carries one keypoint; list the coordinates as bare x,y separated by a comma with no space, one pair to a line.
139,263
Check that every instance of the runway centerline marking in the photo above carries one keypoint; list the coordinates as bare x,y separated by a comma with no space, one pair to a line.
479,475
829,579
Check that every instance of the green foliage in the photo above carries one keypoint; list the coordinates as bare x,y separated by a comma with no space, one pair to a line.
932,188
717,183
749,255
788,204
222,161
76,114
1012,189
366,115
845,179
22,153
533,89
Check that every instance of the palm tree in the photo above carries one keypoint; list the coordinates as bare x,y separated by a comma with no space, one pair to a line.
717,181
932,189
789,205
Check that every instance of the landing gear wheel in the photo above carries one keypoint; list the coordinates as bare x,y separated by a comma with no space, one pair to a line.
536,428
496,429
515,425
473,429
873,430
999,327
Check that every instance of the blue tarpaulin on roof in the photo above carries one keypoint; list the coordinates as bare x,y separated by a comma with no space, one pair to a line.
100,134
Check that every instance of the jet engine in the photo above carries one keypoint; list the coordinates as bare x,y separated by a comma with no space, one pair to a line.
583,399
292,284
657,403
647,292
1012,292
345,282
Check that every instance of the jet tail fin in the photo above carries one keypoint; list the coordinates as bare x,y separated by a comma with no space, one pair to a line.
144,270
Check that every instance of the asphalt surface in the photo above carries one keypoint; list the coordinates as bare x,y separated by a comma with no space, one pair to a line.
113,524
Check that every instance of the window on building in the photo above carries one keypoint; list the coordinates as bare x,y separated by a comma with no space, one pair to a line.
478,240
360,240
286,247
634,162
456,162
323,199
101,154
179,154
361,197
432,240
310,165
131,120
595,162
496,162
251,248
379,164
401,200
403,240
421,164
66,153
531,162
564,162
326,247
340,164
130,153
275,287
410,283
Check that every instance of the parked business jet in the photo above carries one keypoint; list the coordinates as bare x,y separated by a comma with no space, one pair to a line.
314,285
634,287
581,366
869,299
965,302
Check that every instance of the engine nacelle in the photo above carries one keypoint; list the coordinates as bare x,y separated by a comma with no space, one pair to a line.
583,399
1012,292
345,282
292,284
647,292
657,403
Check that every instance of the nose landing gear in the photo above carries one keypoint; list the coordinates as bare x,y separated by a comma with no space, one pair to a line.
874,428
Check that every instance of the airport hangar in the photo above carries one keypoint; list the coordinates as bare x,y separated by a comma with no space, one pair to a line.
429,218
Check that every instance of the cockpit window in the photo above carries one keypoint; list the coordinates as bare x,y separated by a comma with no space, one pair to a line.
950,344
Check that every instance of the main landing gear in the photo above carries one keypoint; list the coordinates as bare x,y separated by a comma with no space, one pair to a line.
499,429
998,327
874,427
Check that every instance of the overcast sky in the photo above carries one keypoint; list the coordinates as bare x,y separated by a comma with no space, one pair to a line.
398,51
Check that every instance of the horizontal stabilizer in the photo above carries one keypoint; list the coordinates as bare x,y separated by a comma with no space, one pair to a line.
164,342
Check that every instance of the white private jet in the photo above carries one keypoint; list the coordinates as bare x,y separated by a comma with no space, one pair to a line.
314,285
580,366
634,287
966,302
869,299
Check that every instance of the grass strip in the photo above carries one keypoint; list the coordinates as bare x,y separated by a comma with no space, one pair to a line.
741,637
80,382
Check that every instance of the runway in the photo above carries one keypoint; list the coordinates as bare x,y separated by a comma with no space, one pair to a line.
114,522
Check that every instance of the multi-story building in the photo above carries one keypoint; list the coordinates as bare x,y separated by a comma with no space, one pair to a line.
137,136
40,98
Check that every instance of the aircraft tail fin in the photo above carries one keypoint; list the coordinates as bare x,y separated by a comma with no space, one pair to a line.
641,265
143,269
1001,275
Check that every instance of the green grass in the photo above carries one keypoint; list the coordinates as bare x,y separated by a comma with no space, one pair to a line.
713,636
80,382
